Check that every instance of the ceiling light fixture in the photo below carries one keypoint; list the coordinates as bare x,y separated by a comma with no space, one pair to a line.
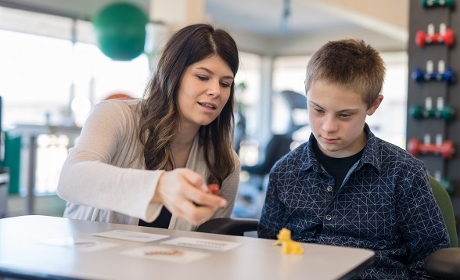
286,14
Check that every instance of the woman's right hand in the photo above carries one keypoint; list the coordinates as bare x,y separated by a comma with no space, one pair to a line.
185,194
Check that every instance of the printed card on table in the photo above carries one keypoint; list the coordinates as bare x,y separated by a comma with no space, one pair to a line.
80,244
165,254
131,235
208,244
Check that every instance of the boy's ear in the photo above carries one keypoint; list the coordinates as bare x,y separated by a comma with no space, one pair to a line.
375,105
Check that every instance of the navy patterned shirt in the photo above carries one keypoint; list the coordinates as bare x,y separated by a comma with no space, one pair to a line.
384,204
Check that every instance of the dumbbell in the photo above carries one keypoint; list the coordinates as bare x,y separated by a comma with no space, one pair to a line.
433,3
419,112
445,149
443,74
445,112
419,75
445,182
445,36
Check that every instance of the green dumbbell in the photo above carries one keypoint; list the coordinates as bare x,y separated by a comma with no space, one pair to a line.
433,3
417,111
447,112
446,183
442,110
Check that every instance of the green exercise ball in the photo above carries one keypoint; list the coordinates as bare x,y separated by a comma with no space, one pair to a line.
120,31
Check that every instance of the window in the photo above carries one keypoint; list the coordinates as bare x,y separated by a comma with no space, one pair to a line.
47,78
248,106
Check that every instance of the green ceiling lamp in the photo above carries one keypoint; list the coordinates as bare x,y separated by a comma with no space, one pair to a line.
120,31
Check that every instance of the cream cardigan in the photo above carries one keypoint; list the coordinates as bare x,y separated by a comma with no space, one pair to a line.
104,179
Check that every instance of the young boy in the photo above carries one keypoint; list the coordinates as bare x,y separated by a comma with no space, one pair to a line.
345,186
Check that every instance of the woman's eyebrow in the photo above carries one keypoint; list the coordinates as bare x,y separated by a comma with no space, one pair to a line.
211,72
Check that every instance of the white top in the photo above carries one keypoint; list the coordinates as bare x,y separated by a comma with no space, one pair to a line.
105,171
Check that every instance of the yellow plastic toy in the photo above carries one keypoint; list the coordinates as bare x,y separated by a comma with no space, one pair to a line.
288,245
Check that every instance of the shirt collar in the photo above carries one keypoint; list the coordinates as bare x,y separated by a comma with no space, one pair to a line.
369,155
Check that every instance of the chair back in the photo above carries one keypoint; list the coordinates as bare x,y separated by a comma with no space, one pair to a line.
445,204
228,226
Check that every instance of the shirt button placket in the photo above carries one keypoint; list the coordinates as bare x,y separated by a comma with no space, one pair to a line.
329,189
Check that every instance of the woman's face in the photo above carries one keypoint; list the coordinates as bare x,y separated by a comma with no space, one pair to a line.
203,91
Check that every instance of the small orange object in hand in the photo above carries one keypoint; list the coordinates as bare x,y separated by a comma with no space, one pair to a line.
214,189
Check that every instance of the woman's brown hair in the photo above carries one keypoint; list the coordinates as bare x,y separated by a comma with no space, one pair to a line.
160,113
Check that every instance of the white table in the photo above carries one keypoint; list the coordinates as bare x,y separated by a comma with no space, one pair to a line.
22,255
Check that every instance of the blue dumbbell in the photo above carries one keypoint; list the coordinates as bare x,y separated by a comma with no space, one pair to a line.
419,75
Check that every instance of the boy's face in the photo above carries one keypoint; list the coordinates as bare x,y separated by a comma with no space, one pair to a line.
337,118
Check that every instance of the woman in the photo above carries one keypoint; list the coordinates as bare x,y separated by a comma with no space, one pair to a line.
149,161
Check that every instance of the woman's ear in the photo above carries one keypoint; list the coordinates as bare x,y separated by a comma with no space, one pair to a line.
375,105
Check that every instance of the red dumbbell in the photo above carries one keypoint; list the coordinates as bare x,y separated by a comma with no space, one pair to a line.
446,36
446,149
